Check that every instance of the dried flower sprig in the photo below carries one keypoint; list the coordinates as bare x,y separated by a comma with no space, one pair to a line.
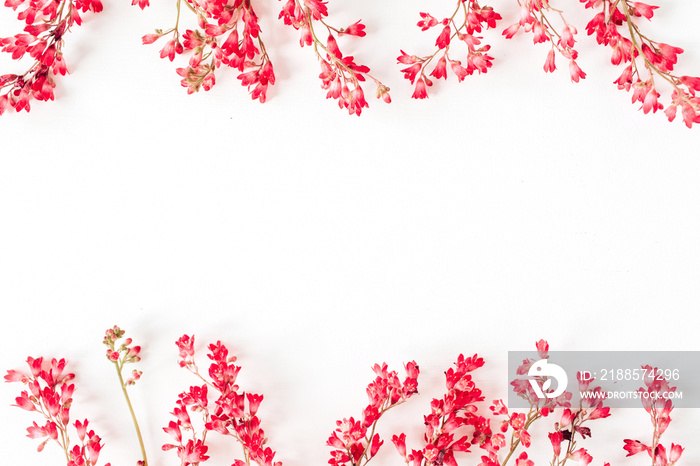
447,415
50,394
455,424
340,75
648,59
536,18
120,355
468,19
228,34
47,22
659,410
355,442
571,425
233,413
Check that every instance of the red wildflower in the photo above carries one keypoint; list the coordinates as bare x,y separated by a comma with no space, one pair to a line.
52,396
582,456
229,414
549,65
421,90
632,447
350,440
355,29
443,39
556,438
575,71
427,21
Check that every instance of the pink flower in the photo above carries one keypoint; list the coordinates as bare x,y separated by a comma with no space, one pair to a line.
517,421
549,65
643,9
412,71
355,29
567,36
253,402
150,38
317,8
510,31
24,402
459,71
524,437
59,65
556,438
669,55
357,101
193,453
171,48
499,407
4,103
575,72
306,36
173,430
16,376
400,443
692,83
141,3
185,345
624,81
540,33
440,70
523,460
376,444
427,22
690,115
675,454
443,39
567,417
632,447
671,111
333,46
599,413
582,456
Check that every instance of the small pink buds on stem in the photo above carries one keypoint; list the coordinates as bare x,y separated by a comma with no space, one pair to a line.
120,354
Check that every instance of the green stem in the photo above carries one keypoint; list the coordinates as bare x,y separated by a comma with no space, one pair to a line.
131,410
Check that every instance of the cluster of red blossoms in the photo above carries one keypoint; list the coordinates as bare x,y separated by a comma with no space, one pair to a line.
454,426
228,34
468,19
659,411
232,413
47,22
355,441
645,60
447,415
570,425
50,395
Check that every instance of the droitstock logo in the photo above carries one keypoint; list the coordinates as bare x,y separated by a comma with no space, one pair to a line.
624,379
543,368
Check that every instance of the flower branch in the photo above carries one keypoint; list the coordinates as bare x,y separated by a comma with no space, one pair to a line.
119,356
47,23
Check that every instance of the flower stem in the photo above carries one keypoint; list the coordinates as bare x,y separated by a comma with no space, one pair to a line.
131,410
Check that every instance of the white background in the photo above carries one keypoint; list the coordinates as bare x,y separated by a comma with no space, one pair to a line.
508,208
